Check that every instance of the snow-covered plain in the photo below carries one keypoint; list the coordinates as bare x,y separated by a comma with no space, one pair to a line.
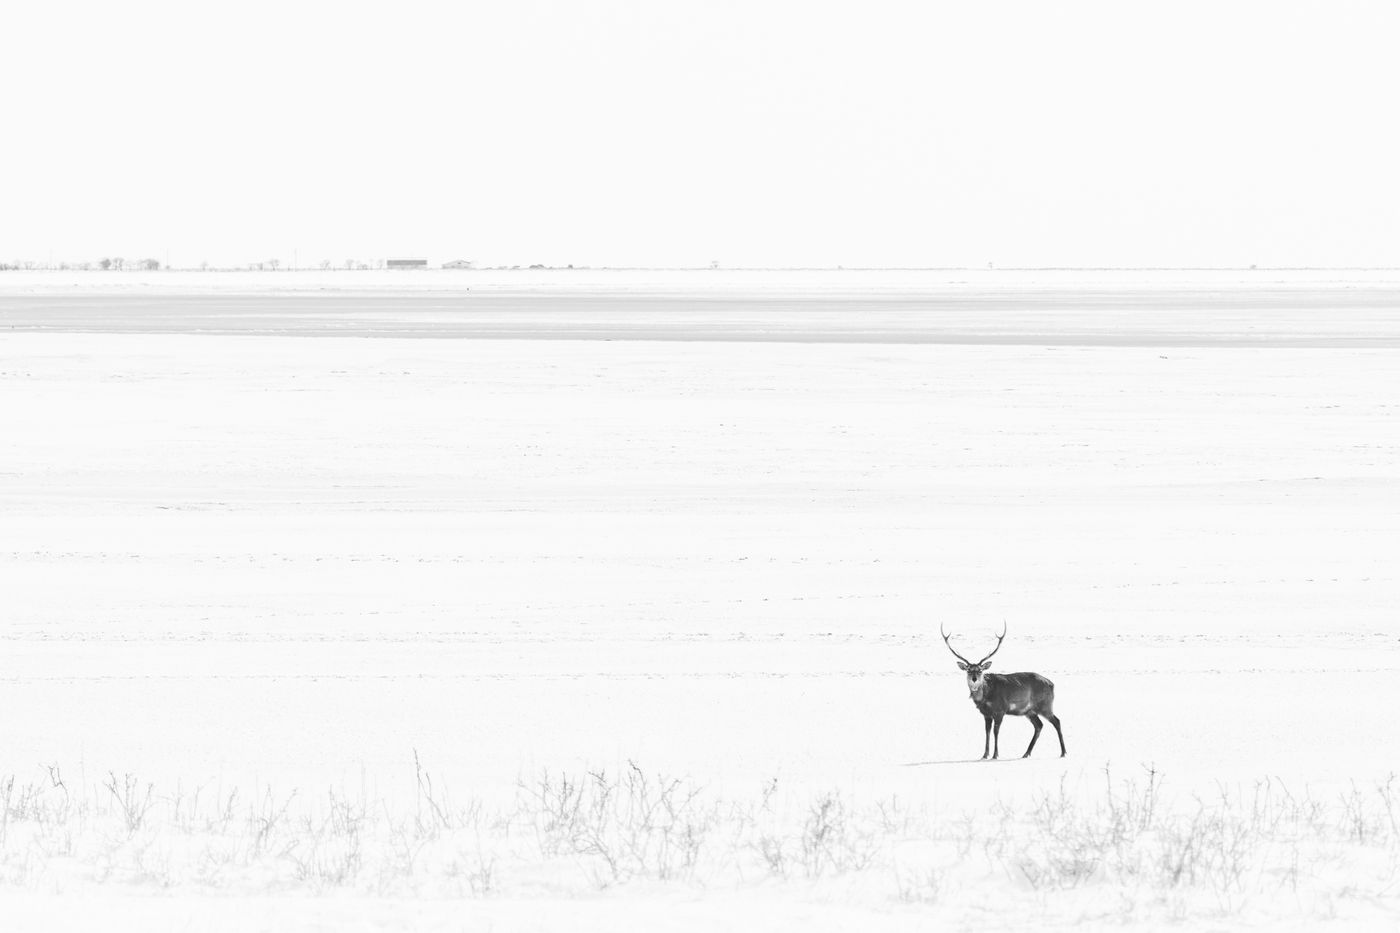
279,539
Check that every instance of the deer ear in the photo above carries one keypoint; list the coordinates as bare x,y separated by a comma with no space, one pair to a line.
986,665
961,666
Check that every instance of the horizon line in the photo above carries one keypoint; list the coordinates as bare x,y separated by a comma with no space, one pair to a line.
87,267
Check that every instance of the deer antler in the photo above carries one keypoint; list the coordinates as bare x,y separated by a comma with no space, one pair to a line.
950,644
998,647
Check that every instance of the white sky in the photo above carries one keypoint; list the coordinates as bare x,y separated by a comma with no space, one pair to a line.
677,132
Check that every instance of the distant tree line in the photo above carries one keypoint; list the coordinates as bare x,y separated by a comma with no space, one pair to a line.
115,264
122,264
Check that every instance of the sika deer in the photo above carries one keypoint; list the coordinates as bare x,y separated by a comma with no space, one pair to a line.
999,695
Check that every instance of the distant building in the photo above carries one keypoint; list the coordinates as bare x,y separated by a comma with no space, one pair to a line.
458,264
407,264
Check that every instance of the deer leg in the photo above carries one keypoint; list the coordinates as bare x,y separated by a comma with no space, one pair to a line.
1035,722
1055,721
987,745
996,738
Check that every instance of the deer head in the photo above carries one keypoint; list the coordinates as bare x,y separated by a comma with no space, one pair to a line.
974,669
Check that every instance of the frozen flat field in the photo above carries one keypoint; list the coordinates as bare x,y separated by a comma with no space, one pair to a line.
290,538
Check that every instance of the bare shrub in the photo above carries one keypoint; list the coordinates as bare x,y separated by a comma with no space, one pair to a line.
1128,842
132,801
627,826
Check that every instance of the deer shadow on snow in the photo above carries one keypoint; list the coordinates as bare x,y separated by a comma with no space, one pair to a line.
953,761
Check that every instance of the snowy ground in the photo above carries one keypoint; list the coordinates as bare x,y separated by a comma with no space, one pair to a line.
712,530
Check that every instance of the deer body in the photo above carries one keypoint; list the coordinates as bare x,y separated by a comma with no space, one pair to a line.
999,695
